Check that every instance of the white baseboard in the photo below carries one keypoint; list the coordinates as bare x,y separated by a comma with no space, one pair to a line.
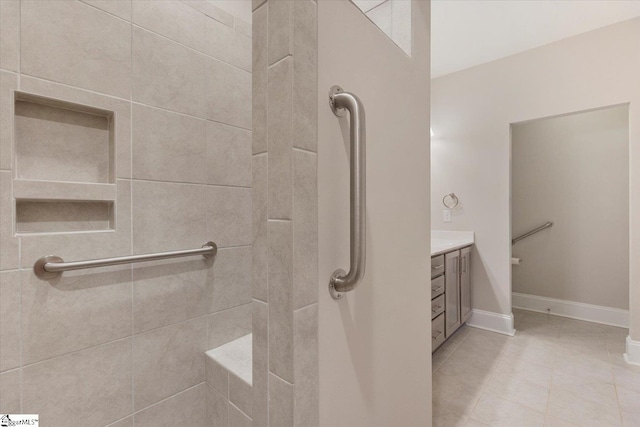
632,356
574,310
494,322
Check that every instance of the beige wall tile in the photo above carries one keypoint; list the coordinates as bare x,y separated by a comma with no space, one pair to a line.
168,216
305,229
212,11
10,386
237,418
167,75
257,3
119,8
280,402
10,310
168,146
168,360
217,376
59,144
217,408
229,216
10,35
228,94
227,325
72,43
280,140
259,80
171,291
306,364
243,28
260,348
260,244
89,245
228,155
232,274
190,407
127,422
9,247
93,385
228,45
97,309
305,79
121,112
172,19
281,299
240,394
8,83
280,29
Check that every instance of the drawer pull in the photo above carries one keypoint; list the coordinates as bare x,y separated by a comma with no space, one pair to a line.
437,336
437,289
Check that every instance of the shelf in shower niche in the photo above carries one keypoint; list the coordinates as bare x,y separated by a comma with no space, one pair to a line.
61,141
24,189
63,216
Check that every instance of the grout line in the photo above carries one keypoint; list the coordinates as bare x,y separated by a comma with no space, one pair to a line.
288,55
295,310
304,150
128,21
190,183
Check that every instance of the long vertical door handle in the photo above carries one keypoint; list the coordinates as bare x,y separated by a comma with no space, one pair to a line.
340,281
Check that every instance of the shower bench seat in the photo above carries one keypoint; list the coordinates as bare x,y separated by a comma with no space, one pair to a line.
229,372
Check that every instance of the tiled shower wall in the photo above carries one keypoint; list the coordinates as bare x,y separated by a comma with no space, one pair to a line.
285,293
125,344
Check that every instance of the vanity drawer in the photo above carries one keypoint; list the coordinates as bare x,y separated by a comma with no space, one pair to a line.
437,286
437,306
437,266
437,332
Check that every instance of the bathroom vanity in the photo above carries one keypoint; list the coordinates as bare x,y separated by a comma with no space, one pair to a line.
450,283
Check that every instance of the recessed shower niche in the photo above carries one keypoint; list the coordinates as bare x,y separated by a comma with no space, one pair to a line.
64,160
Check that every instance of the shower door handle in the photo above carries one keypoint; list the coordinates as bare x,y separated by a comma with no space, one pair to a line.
340,281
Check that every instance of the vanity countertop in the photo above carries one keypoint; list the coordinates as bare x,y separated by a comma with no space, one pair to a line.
445,241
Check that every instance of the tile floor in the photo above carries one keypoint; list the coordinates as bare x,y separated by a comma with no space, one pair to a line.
554,372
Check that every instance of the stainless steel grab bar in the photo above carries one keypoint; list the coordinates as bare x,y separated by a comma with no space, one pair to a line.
51,266
340,281
534,231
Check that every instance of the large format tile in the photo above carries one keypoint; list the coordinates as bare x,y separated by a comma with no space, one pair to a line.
228,45
229,216
217,408
232,278
519,390
260,243
167,75
172,19
92,385
121,114
305,361
10,389
190,407
8,84
499,412
126,422
217,376
168,217
573,408
228,155
305,229
281,299
119,8
280,140
171,291
240,394
227,325
97,309
280,402
211,10
228,94
305,68
10,314
260,360
259,80
76,44
10,35
280,30
237,418
168,146
168,360
9,245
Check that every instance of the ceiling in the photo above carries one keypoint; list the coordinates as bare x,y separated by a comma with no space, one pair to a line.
465,33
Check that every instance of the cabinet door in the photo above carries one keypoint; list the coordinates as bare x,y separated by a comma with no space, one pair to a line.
452,292
465,284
